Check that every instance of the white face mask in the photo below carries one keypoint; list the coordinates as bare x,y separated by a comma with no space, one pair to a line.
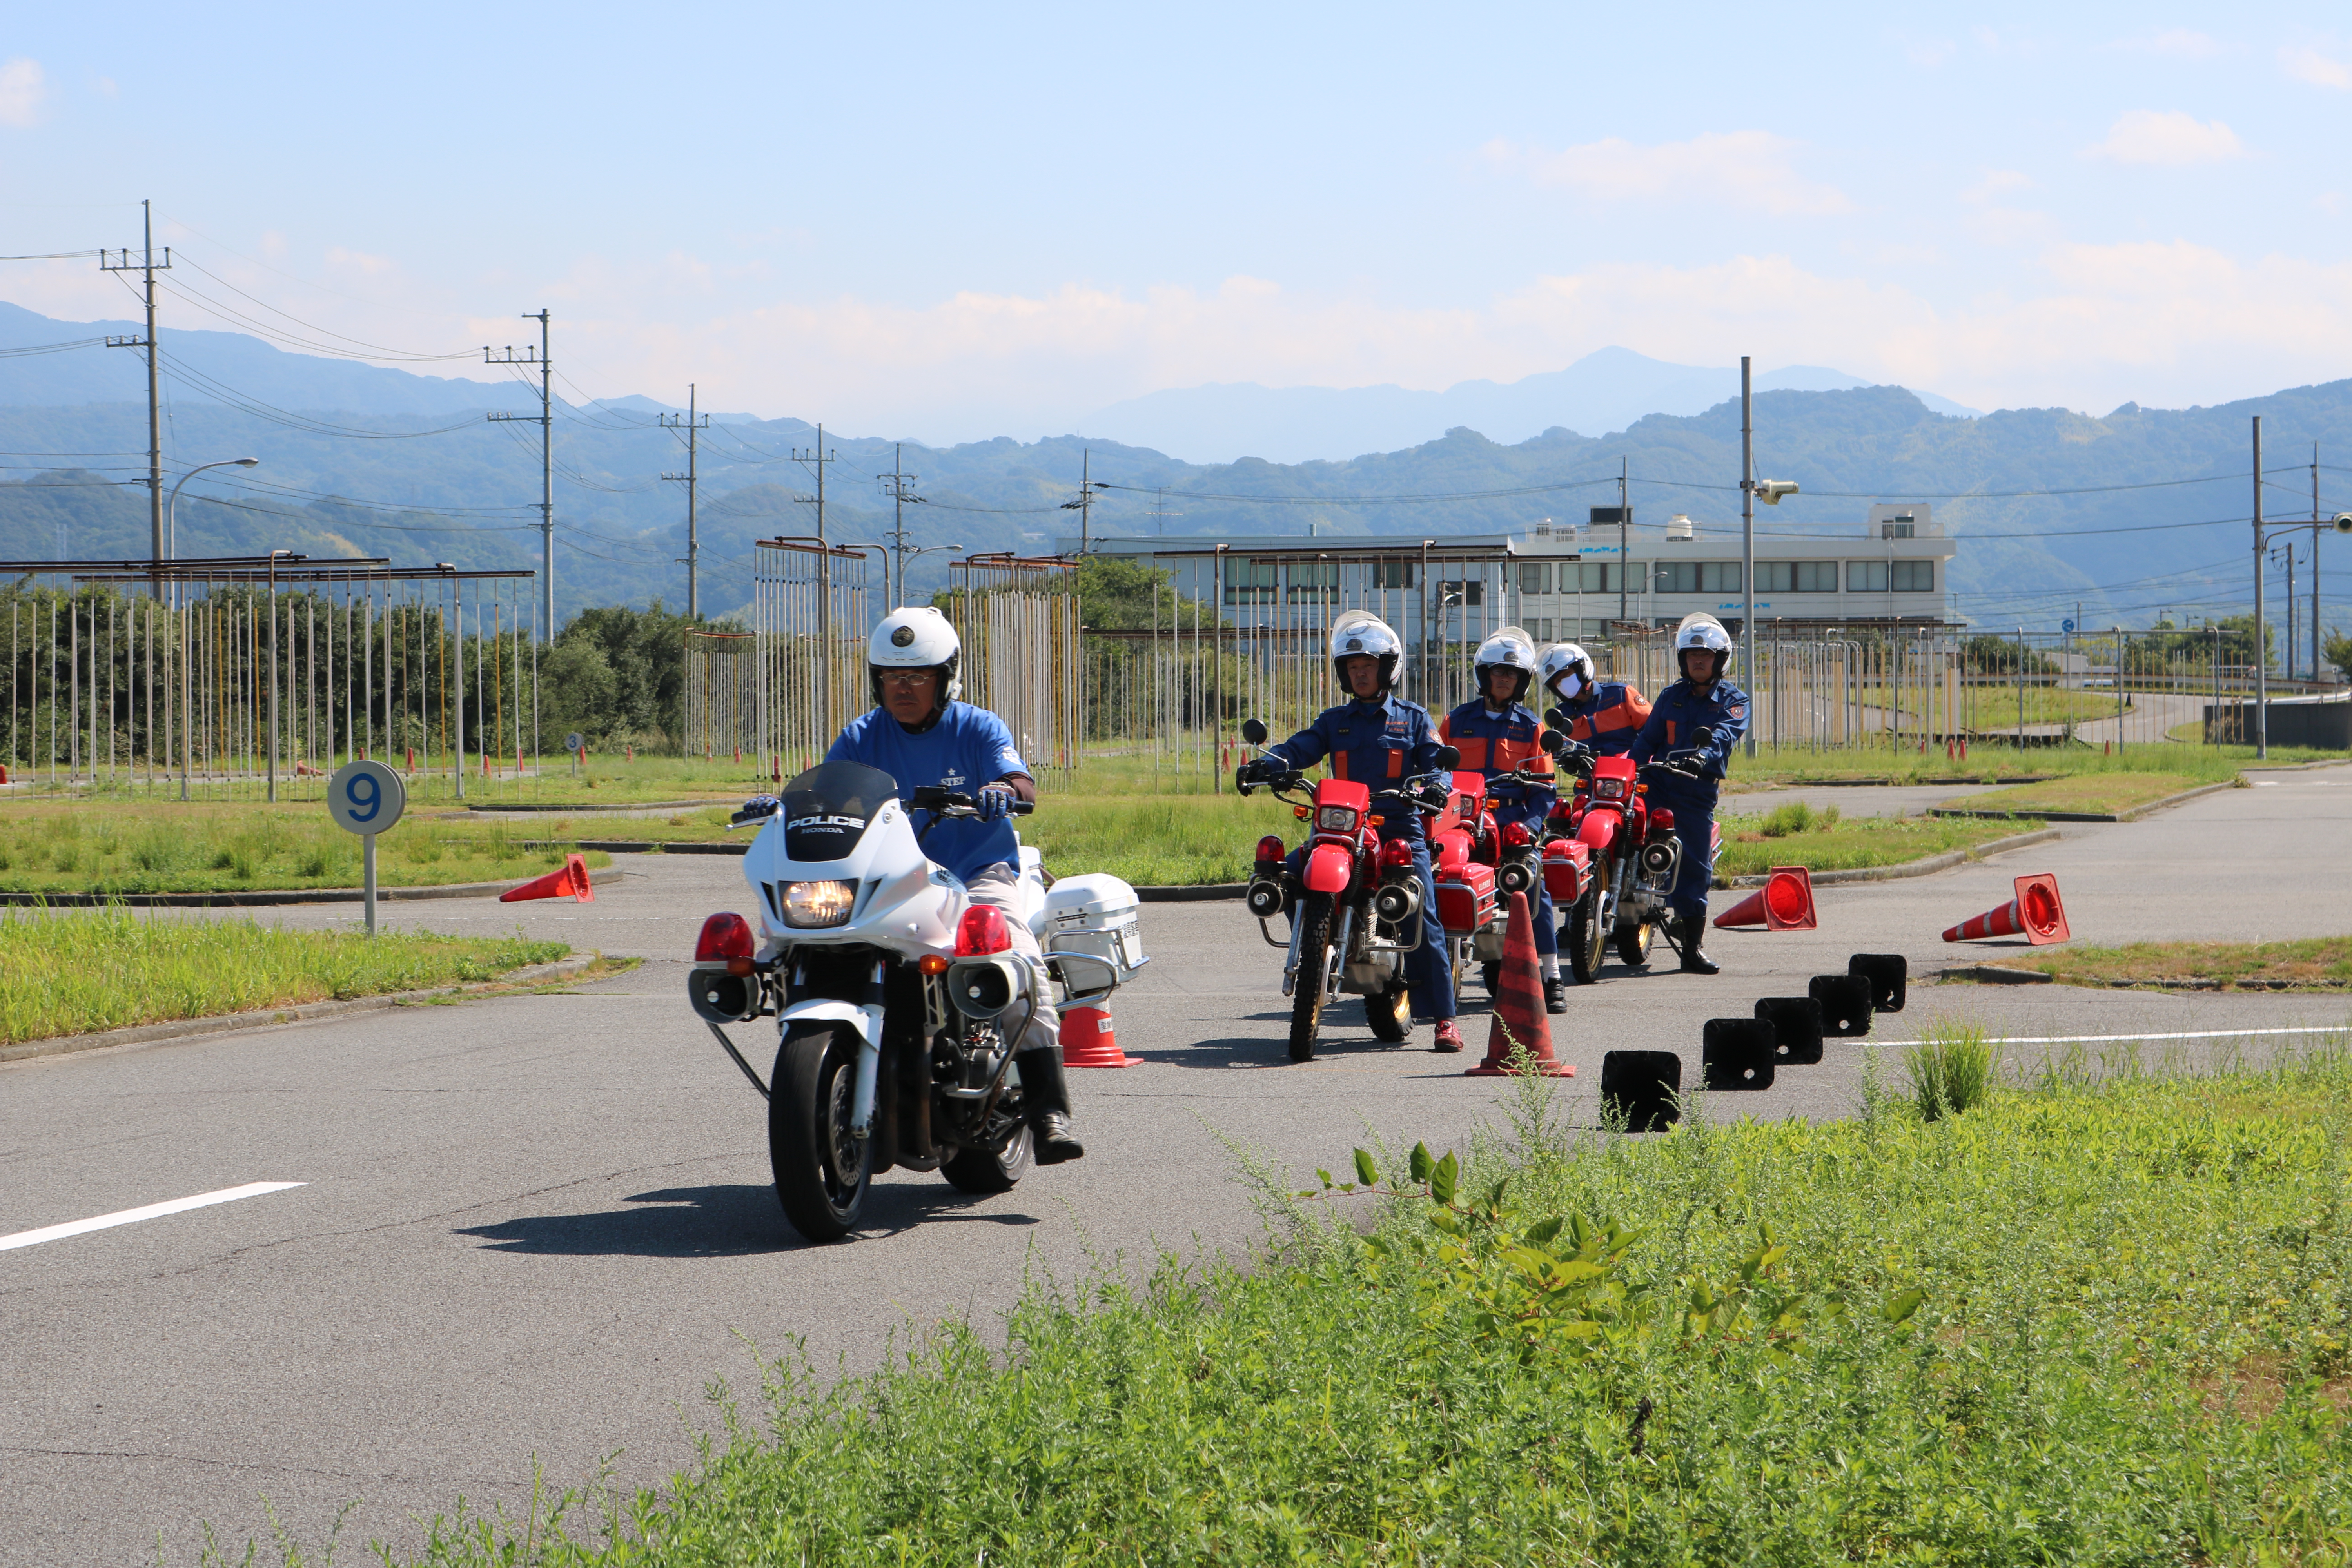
1569,685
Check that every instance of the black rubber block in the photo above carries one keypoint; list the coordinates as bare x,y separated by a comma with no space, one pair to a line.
1797,1024
1642,1086
1886,972
1739,1053
1845,1003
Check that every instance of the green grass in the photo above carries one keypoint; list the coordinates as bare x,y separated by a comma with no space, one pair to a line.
1792,833
70,971
1952,1069
2094,1324
2319,963
1993,762
2091,792
141,846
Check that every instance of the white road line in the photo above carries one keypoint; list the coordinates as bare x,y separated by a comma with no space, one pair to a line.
2111,1039
151,1211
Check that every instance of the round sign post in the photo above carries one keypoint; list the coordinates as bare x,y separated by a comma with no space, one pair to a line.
366,799
572,744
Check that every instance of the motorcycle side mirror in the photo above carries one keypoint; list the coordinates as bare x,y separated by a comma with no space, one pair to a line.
1554,743
1703,735
1085,979
1558,718
1449,757
1253,732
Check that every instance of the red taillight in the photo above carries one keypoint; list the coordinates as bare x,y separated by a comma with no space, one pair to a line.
981,932
723,936
1661,820
1396,852
1516,835
1269,849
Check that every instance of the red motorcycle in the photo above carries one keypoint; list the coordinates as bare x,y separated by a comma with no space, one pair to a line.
1354,906
1479,866
1631,854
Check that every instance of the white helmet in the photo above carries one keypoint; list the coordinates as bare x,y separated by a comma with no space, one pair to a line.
1701,630
915,637
1510,648
1360,632
1565,659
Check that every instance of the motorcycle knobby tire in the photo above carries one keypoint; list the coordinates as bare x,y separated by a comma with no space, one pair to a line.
822,1173
1384,1011
1634,939
1307,996
1585,941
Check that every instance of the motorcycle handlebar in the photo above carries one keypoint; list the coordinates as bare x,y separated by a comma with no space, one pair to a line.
943,802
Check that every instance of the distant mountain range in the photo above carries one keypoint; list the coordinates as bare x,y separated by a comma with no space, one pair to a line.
1604,392
2131,513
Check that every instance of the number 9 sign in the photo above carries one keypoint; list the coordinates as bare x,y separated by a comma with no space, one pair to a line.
365,798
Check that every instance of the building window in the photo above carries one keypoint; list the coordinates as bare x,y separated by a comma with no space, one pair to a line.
1315,582
1591,577
1865,577
1460,595
1696,577
1915,576
1393,574
1534,576
1796,576
1540,630
1251,581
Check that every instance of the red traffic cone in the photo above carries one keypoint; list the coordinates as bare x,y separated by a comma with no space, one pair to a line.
571,877
2036,914
3,773
411,759
1519,1005
1785,902
1089,1040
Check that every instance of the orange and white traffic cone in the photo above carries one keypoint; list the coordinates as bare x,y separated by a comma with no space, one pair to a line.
2035,913
570,878
1519,1005
1785,902
1089,1041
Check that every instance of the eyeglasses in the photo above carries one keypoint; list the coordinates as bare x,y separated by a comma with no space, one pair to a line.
909,677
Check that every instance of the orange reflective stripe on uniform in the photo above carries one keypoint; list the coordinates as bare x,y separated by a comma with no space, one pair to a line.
1340,765
1396,762
1473,750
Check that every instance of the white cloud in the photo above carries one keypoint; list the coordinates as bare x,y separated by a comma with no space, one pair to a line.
1751,169
2180,43
2168,139
22,88
2309,65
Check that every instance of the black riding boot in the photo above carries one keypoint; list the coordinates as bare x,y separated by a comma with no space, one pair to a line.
1695,958
1046,1093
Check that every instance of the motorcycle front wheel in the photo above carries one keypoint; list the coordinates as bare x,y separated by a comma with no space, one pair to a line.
1307,996
822,1173
1585,940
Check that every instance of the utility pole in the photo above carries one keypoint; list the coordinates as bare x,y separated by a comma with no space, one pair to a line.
545,420
2314,561
1084,505
900,485
1748,540
693,429
1624,567
818,457
2261,665
150,266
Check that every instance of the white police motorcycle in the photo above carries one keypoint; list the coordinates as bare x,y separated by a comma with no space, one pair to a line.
897,999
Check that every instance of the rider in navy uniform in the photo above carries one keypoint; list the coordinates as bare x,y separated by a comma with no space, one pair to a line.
1495,734
1701,700
1378,739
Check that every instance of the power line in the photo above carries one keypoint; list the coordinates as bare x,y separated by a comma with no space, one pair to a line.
693,429
545,420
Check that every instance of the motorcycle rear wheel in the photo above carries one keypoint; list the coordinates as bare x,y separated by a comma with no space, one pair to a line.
1307,996
1585,940
1634,939
822,1173
1490,975
1384,1011
977,1171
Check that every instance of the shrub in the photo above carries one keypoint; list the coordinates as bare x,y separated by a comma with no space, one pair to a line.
1950,1070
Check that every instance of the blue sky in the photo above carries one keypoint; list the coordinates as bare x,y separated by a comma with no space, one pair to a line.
945,223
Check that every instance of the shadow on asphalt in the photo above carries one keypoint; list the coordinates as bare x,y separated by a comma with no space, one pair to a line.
731,1220
1339,1039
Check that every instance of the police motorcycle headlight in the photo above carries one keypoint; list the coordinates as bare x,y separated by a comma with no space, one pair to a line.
813,904
1609,789
1336,819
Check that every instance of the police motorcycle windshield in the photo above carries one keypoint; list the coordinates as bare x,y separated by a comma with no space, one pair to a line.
827,808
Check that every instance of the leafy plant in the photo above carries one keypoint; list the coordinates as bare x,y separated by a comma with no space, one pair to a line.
1950,1070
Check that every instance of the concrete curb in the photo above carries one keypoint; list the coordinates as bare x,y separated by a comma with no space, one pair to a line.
640,846
1923,867
230,1022
601,810
1198,894
270,900
2133,815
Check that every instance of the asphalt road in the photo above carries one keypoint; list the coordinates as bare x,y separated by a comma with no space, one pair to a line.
537,1227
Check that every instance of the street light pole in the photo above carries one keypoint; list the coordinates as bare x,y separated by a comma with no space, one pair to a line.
2261,665
1747,537
172,508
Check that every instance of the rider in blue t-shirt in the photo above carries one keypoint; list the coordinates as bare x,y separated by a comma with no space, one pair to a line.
919,734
